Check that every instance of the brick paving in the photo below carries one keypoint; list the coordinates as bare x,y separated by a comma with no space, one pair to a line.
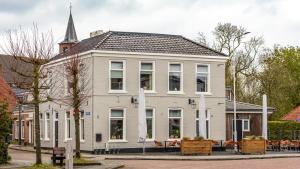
278,163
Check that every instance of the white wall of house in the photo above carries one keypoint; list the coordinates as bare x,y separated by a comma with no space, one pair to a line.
102,99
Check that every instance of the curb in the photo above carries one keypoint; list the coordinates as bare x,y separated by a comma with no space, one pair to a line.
32,151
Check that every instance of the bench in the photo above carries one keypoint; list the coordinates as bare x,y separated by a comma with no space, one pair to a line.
58,154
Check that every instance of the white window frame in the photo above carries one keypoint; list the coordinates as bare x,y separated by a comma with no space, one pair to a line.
208,78
243,121
124,125
153,124
80,123
46,136
181,123
124,77
207,119
67,127
181,78
22,129
153,75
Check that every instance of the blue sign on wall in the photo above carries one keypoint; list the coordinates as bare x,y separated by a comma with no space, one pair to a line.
87,113
298,120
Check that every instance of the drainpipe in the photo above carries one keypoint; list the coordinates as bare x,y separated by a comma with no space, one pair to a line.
20,109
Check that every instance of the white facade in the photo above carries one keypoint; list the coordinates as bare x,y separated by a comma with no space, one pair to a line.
115,80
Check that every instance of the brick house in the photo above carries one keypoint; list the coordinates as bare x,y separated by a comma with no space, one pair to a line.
9,81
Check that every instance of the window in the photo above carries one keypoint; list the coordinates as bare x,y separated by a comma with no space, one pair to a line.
16,129
175,123
41,126
82,125
117,124
175,77
147,76
47,126
150,123
246,125
67,126
202,78
207,115
22,129
117,75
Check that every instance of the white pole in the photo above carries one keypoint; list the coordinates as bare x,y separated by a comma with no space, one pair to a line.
265,117
234,107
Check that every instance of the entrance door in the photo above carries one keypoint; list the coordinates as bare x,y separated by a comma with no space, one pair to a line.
56,133
239,129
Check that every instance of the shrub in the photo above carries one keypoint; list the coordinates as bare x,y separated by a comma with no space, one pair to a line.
5,129
279,130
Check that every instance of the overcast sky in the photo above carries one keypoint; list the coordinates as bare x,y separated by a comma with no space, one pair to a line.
278,21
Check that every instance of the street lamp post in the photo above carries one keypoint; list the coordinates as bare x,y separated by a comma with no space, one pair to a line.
234,99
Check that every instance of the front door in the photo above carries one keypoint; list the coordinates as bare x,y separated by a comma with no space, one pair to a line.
56,133
239,129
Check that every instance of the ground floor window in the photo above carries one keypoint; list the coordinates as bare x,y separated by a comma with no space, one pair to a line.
47,126
117,124
22,129
68,125
175,123
207,115
246,125
41,126
82,125
16,129
150,123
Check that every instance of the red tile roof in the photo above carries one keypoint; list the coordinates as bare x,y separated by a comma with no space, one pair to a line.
294,115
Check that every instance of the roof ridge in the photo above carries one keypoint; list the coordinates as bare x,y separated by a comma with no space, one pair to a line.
209,48
109,33
147,33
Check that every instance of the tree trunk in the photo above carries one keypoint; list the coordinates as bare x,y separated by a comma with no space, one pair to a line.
77,132
36,115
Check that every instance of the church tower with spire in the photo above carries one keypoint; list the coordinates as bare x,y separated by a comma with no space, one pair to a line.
70,36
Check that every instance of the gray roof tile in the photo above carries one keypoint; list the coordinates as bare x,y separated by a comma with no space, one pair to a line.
141,42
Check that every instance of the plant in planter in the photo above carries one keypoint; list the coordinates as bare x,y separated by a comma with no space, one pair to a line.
196,146
254,145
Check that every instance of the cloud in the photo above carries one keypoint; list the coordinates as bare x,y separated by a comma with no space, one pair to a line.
276,20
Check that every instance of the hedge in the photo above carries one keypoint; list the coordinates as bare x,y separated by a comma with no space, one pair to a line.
279,130
5,130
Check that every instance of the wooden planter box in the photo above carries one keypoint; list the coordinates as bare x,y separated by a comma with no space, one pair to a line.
253,146
189,147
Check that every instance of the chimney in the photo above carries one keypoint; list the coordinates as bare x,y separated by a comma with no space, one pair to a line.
96,33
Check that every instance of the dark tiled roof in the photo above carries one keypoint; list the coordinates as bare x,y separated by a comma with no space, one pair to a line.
141,42
246,107
11,77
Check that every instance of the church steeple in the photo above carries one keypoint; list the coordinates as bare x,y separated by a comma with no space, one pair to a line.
70,36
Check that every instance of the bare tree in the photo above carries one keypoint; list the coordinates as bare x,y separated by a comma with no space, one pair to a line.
35,49
75,83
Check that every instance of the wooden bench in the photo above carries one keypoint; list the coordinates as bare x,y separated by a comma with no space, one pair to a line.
58,154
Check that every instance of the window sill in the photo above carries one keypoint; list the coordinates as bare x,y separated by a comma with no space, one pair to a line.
82,141
204,93
68,139
173,139
46,139
176,93
117,141
117,91
150,140
150,92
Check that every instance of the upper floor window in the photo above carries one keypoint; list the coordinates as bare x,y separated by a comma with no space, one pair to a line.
147,76
175,77
117,69
202,74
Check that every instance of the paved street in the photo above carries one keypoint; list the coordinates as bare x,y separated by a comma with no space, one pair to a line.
277,163
286,163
